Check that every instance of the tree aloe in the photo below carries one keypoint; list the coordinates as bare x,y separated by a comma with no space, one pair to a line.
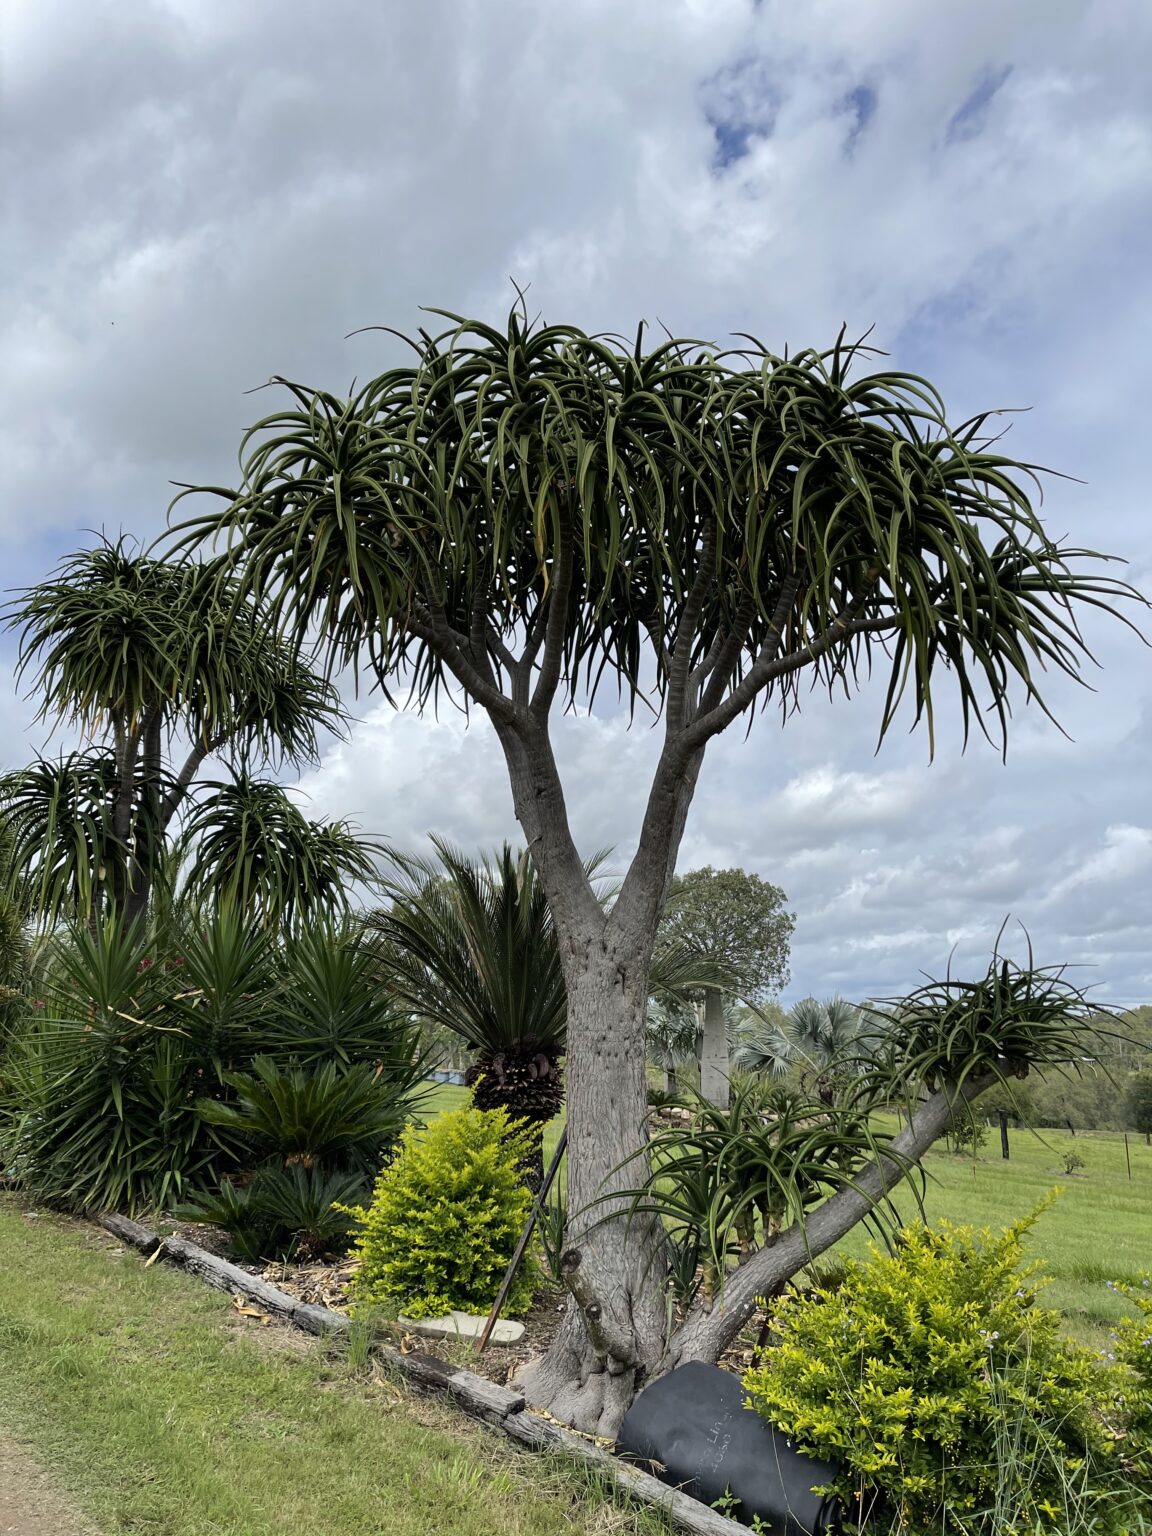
514,515
143,657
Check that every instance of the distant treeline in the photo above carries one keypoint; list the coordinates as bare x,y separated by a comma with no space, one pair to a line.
1102,1096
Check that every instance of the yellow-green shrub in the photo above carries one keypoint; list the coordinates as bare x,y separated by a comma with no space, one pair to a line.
1133,1349
445,1217
932,1376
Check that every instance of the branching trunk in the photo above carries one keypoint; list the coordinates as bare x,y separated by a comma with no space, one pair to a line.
146,833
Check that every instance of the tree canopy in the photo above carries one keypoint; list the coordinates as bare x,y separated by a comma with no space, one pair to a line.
735,919
145,658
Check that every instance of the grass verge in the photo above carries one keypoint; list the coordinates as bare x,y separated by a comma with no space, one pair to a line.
161,1410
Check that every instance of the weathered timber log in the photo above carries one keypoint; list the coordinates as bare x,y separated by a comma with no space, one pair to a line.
686,1513
227,1277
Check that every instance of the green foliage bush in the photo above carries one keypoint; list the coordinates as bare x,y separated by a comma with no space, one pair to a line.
150,1067
445,1217
295,1209
935,1379
343,1116
1133,1351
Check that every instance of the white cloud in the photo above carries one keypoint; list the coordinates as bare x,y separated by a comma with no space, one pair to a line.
200,194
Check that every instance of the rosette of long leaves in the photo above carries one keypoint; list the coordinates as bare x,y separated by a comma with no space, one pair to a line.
335,1003
726,1184
100,1080
267,858
436,518
1014,1018
344,1118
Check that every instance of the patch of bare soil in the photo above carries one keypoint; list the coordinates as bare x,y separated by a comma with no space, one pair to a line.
29,1504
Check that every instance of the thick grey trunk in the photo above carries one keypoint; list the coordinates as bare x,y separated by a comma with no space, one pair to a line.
714,1068
614,1333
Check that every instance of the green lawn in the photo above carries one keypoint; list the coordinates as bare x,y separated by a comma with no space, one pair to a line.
1099,1229
159,1410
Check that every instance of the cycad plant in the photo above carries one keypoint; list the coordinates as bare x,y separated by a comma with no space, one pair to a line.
340,1117
469,945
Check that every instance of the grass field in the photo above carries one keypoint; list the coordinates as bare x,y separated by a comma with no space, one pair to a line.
1099,1229
159,1410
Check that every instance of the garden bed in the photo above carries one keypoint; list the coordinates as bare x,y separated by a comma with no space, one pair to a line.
327,1285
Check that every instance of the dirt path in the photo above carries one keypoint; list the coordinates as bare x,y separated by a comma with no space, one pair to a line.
29,1504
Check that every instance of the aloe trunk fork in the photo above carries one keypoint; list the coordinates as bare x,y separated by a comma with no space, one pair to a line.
515,515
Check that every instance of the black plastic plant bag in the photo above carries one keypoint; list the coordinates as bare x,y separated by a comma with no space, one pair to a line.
692,1430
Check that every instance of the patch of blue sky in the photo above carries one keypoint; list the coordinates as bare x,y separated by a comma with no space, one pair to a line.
968,119
740,104
859,105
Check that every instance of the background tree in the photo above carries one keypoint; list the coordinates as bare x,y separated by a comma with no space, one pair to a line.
515,515
1138,1104
672,1036
739,921
142,657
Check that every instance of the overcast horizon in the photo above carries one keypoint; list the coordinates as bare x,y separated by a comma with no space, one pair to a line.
198,195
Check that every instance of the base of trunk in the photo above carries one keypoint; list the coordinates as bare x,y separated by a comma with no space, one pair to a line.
575,1385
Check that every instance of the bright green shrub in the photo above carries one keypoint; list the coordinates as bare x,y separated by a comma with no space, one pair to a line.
445,1217
1133,1351
935,1379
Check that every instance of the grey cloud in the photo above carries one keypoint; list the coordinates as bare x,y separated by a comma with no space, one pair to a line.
201,194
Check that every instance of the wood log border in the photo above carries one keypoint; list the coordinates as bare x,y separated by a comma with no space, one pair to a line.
501,1407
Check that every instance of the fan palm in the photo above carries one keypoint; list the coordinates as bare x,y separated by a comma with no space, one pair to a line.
813,1037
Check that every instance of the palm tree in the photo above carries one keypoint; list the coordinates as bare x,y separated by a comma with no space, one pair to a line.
814,1037
144,658
672,1035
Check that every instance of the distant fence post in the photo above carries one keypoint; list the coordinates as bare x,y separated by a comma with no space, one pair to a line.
1127,1156
1004,1153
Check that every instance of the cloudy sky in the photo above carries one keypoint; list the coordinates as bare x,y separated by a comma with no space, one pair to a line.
196,194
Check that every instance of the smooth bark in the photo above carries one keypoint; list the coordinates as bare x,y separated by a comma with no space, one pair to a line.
613,1336
715,1071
